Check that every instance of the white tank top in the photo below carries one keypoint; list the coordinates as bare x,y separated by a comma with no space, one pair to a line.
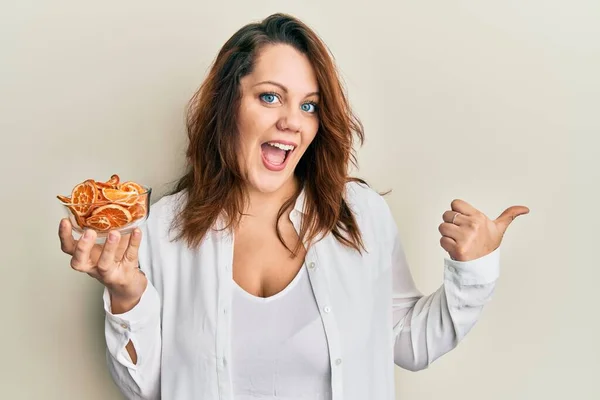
279,348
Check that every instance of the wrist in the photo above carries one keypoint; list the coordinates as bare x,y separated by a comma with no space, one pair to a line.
123,299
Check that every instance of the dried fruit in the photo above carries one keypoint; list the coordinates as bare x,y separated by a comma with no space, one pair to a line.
106,205
137,211
83,196
116,214
134,188
98,222
120,197
112,183
131,187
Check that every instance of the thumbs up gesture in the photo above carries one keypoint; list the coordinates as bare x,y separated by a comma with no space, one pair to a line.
467,234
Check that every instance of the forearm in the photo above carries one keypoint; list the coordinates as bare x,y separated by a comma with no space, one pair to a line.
121,305
433,325
134,345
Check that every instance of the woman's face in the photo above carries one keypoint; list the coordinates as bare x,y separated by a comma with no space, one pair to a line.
278,117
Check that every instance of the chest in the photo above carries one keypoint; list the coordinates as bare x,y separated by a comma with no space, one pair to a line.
262,265
351,293
278,344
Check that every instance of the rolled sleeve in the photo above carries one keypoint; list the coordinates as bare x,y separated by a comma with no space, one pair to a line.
469,286
480,271
132,325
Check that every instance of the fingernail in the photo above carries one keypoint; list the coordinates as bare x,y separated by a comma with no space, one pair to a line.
63,224
136,233
112,237
87,234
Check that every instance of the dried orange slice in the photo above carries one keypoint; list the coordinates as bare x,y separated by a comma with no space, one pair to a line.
137,211
114,180
120,197
117,215
131,187
98,222
79,220
112,183
67,202
134,187
83,197
100,198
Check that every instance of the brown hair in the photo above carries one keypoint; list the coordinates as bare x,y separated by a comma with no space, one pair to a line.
214,182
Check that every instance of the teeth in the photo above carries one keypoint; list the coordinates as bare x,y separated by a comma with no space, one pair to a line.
286,147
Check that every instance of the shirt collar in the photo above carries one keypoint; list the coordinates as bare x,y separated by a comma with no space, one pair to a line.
299,206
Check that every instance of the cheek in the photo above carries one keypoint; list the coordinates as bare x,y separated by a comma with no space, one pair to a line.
254,120
310,132
247,127
245,135
245,121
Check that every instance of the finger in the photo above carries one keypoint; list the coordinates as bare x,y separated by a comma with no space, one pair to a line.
107,258
451,231
65,233
123,244
131,253
81,256
463,207
460,219
508,216
448,244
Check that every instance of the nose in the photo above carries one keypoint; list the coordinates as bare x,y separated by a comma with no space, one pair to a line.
290,120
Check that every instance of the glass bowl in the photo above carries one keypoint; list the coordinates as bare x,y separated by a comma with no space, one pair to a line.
122,214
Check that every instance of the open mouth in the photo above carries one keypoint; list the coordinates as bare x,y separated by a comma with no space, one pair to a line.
276,154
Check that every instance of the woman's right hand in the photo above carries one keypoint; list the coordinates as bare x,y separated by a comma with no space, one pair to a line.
114,264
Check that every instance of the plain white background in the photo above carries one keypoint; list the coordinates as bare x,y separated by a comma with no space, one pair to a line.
492,102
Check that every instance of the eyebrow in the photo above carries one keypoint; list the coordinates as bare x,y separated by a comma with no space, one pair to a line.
283,87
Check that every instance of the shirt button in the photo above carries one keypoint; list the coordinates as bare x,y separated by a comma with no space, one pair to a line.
311,265
327,309
124,326
452,269
224,311
338,361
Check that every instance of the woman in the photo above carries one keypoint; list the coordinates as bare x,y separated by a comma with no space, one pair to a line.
268,272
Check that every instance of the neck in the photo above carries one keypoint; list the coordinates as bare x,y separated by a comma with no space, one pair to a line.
267,205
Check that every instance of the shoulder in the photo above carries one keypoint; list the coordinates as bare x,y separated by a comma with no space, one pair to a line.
370,209
169,203
365,201
157,234
163,211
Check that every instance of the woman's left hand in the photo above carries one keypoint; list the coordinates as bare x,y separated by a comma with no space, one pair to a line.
473,234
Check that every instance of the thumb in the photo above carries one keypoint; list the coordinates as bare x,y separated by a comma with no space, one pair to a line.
507,217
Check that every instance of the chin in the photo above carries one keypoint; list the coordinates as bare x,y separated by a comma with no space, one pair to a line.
267,182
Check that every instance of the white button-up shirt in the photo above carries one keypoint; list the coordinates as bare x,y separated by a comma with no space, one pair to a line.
372,313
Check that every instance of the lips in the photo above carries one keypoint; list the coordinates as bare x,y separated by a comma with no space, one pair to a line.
275,154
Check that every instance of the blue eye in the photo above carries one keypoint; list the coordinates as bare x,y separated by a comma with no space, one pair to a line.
269,98
309,107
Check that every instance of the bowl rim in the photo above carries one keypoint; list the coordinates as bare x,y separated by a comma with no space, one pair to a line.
147,191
